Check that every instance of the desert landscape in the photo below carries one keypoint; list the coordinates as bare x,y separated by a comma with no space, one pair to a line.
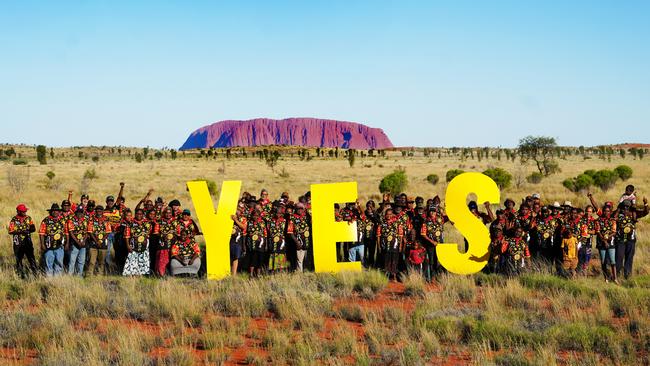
302,319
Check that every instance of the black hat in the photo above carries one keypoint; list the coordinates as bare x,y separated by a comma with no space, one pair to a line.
174,203
159,200
110,198
65,202
472,205
84,196
55,207
100,207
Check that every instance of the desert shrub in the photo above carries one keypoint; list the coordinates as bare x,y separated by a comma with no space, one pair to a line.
394,182
605,179
212,185
41,153
138,157
501,177
19,162
578,184
352,313
452,173
433,179
90,174
414,284
50,175
498,334
624,172
535,178
548,282
590,172
17,178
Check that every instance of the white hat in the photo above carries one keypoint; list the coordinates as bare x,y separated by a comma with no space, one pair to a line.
535,195
567,203
556,204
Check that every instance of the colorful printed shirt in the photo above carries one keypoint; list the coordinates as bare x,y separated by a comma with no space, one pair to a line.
20,228
100,227
168,230
299,226
78,228
516,248
277,226
606,227
256,231
54,230
186,247
390,233
137,233
432,228
626,227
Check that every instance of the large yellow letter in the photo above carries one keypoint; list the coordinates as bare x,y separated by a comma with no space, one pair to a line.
327,232
216,226
469,225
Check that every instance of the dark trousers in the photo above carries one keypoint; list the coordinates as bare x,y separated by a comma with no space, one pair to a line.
625,256
370,247
392,261
26,249
431,264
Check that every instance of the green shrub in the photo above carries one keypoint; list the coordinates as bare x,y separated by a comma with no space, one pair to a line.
605,179
624,172
212,185
451,174
433,179
90,174
50,175
19,162
41,152
580,183
535,178
501,177
394,182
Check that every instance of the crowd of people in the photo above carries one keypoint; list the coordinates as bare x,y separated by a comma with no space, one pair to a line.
397,235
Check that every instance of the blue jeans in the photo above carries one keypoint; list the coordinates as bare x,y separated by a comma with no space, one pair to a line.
355,251
53,262
77,261
608,254
110,237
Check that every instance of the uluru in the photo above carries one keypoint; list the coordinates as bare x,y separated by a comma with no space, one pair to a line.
312,132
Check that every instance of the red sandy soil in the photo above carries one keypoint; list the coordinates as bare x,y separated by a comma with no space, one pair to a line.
392,296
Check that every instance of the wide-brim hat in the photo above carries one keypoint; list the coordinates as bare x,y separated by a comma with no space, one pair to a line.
567,204
54,207
22,208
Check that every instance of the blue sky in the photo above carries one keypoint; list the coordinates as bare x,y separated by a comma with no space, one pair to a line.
430,73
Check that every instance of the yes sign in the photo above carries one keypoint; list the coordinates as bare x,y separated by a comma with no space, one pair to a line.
217,225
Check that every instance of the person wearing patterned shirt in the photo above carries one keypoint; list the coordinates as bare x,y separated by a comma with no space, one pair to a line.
298,230
431,233
390,237
113,214
257,236
543,236
626,218
516,251
369,240
77,237
185,252
21,228
238,237
52,236
167,230
277,228
99,229
605,232
137,234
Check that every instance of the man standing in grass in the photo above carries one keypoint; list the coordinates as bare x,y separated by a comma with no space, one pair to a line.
431,234
77,236
21,228
52,236
390,237
626,219
167,230
99,229
298,230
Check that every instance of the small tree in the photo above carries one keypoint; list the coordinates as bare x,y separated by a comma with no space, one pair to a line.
501,177
539,149
578,184
173,154
138,157
451,174
624,172
41,152
351,154
394,182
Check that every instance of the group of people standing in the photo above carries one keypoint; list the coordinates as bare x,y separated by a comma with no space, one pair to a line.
396,235
86,238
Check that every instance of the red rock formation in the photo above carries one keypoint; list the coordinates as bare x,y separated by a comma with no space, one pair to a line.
290,131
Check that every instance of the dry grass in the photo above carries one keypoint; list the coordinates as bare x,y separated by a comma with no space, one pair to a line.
537,319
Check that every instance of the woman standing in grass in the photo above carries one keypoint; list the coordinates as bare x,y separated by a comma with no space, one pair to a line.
606,231
277,228
167,230
257,234
390,237
186,252
137,237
